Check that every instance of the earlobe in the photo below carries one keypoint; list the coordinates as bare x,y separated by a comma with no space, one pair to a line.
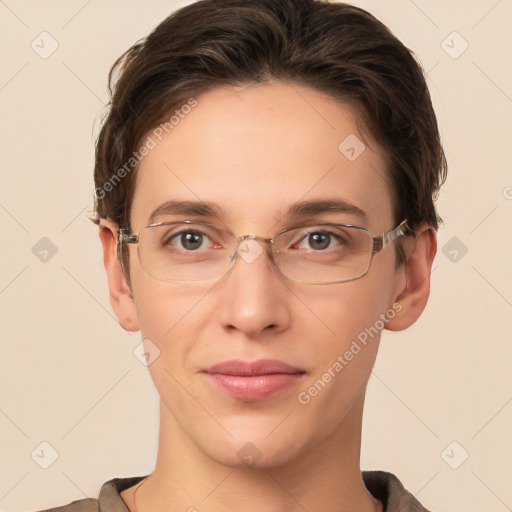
121,297
414,295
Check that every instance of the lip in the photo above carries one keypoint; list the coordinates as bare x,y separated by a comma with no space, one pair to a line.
251,368
253,380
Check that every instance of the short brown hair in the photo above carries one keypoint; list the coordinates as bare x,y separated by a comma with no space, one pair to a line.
335,48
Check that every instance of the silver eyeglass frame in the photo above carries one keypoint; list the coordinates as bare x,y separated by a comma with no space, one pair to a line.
379,243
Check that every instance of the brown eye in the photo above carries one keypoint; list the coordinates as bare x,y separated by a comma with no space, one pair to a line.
188,240
320,240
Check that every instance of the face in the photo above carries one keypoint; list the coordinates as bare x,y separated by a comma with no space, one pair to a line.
254,152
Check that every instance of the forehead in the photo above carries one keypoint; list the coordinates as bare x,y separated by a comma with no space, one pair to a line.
255,151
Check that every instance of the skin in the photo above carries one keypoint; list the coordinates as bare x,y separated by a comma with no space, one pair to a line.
273,144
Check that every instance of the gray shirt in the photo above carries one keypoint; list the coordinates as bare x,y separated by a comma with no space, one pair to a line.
384,486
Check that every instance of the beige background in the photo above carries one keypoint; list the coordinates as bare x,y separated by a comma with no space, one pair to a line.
68,373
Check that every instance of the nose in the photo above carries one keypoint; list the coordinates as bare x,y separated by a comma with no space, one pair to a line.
253,297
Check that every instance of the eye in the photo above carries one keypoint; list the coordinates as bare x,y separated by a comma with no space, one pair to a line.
187,240
320,240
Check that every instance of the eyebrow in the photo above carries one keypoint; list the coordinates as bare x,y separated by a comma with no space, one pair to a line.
301,209
200,208
323,206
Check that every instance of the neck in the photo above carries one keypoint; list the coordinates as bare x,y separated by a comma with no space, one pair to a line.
322,477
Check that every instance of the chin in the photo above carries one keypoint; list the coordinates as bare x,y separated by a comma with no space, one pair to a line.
258,451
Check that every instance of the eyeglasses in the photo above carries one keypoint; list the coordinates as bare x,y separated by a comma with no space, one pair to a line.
186,251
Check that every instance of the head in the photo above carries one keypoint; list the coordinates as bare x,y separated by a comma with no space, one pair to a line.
248,105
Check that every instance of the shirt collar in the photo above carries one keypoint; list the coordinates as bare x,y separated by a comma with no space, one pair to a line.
384,486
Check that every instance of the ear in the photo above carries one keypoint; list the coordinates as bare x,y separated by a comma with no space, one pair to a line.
413,295
121,297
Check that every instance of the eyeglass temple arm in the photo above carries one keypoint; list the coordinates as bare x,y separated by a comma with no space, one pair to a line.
124,237
380,242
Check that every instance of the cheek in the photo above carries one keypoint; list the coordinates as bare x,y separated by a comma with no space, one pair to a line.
348,309
350,317
162,306
353,315
170,316
342,359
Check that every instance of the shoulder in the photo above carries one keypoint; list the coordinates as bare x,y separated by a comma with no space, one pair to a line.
388,488
109,499
85,505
